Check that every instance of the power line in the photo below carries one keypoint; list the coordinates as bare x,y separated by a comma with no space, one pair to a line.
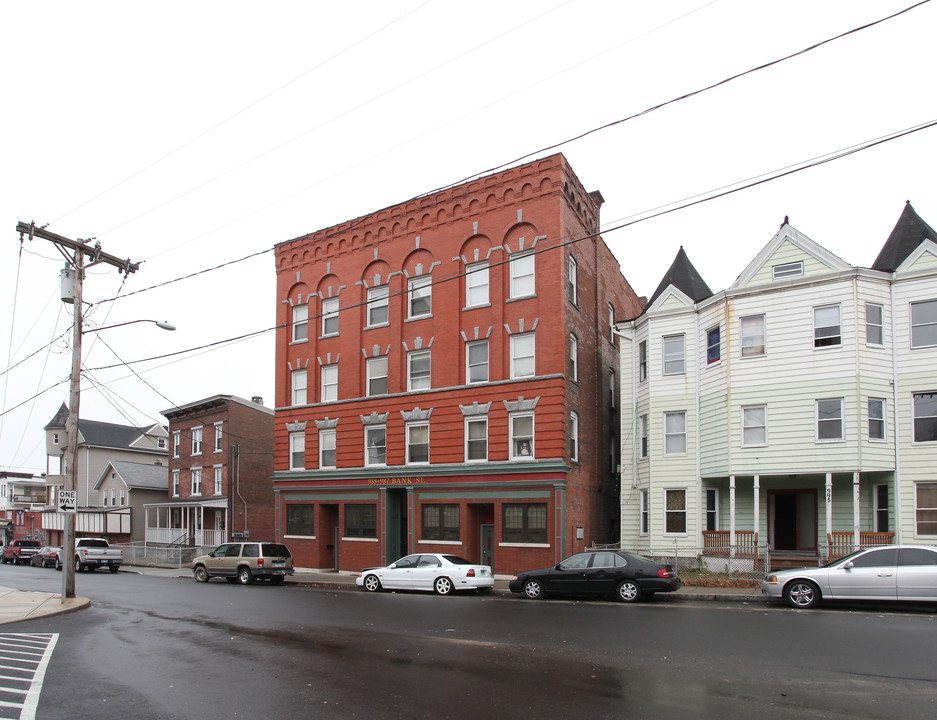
548,148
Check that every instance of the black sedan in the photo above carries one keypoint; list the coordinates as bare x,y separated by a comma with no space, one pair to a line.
599,572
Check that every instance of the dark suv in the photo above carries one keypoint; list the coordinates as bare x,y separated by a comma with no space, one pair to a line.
244,562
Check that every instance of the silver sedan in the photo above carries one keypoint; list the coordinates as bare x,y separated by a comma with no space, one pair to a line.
890,572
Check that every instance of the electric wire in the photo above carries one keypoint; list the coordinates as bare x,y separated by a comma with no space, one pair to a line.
542,150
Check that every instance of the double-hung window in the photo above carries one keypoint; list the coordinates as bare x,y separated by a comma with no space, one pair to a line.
675,511
713,348
522,355
642,450
830,420
574,437
874,324
925,509
377,375
522,275
420,297
375,441
298,382
219,489
418,370
826,326
675,433
218,436
298,451
196,481
752,332
573,358
197,441
327,448
440,522
524,522
417,443
330,317
644,514
476,285
642,361
572,291
328,375
300,323
476,439
300,520
876,418
378,305
924,323
674,356
361,520
476,362
754,425
522,436
175,483
176,443
925,417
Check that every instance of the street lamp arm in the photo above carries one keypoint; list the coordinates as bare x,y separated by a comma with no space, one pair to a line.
159,323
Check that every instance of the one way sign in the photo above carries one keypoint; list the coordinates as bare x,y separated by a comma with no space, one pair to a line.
68,501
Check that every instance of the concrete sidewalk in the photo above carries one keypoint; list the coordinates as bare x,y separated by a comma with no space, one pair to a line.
18,605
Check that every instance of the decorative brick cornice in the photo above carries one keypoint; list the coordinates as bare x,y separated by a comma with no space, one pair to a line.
416,414
521,405
475,409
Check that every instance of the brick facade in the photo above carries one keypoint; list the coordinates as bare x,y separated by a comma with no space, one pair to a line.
525,223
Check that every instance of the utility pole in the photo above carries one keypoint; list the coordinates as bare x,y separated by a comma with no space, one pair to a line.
75,252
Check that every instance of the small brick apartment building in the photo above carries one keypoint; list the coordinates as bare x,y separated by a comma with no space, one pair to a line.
220,474
445,377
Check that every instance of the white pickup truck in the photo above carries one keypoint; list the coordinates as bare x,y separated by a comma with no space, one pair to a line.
92,553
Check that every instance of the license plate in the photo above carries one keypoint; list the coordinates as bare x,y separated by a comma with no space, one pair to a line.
105,562
277,564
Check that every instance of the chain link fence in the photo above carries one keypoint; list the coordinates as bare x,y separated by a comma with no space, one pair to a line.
168,557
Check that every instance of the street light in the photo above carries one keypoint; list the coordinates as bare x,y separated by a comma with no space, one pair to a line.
71,431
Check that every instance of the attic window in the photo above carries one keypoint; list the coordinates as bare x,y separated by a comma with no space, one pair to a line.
794,269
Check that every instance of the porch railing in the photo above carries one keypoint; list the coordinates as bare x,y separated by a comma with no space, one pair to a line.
843,543
718,543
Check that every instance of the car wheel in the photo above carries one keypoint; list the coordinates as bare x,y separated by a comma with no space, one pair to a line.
443,586
801,594
628,591
533,589
201,574
58,564
372,583
79,566
244,576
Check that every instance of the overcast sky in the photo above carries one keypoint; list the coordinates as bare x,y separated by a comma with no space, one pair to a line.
187,135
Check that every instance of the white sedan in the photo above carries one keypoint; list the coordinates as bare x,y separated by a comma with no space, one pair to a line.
434,572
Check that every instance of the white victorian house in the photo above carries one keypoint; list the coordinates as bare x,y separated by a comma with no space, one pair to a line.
796,409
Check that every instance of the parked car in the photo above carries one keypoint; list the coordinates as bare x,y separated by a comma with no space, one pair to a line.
48,556
245,562
890,572
434,572
623,575
19,551
94,553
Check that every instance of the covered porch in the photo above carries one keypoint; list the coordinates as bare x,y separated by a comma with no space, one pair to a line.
187,524
811,517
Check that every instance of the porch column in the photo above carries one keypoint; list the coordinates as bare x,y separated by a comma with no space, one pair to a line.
855,510
732,516
829,505
756,512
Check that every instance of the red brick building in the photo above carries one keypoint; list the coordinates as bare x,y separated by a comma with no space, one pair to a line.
220,474
445,377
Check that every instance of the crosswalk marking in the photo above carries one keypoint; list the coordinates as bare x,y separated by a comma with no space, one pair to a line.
24,658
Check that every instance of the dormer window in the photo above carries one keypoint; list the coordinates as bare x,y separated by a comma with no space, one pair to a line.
788,270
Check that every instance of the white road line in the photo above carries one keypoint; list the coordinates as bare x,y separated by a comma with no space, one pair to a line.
27,654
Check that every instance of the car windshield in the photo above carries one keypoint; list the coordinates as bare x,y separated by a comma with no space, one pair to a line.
275,549
456,560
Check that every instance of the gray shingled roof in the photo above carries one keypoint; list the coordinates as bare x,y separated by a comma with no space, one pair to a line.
142,475
102,434
909,232
683,276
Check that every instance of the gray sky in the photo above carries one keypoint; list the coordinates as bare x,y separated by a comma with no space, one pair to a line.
186,135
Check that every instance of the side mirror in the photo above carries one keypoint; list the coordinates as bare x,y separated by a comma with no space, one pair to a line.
211,554
848,566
